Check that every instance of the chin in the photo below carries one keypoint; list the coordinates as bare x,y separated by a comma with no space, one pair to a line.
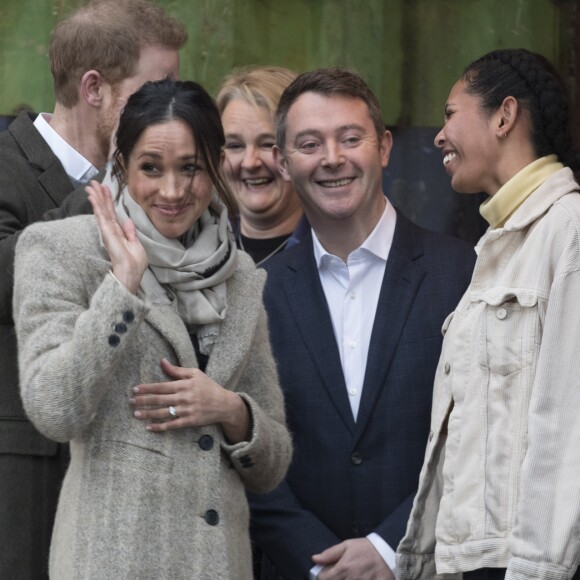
459,186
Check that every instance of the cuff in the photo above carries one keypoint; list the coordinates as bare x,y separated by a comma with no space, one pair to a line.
387,553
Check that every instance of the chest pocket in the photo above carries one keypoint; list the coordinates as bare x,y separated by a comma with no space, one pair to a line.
510,330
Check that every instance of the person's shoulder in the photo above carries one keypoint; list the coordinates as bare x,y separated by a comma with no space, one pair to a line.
246,270
20,128
73,232
17,166
288,258
436,242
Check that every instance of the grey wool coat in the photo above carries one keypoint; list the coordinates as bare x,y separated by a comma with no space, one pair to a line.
136,504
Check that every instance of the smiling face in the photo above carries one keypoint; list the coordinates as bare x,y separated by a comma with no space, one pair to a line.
469,143
250,169
335,159
167,180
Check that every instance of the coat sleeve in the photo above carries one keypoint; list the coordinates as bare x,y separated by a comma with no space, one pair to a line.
545,540
70,342
263,461
288,533
13,219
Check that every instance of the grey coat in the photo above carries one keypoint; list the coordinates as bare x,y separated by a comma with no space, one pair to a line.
137,504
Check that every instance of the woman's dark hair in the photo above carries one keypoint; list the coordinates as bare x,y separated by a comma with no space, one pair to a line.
166,100
535,83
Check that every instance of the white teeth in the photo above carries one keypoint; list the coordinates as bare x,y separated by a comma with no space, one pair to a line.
258,181
337,182
448,158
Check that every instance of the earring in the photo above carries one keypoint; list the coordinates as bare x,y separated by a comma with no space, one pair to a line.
503,135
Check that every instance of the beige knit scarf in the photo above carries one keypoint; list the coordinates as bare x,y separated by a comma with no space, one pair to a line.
193,269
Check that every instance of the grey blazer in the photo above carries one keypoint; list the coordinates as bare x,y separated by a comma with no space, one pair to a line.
32,181
137,504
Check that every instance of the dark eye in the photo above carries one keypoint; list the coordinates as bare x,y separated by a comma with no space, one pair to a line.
149,168
352,140
192,168
268,144
308,146
233,147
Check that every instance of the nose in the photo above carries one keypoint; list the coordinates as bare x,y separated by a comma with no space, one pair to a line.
172,188
439,139
333,156
251,158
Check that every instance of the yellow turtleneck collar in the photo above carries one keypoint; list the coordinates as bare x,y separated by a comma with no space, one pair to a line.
497,209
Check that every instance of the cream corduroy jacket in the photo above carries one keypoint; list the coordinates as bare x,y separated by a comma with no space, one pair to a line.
136,504
500,484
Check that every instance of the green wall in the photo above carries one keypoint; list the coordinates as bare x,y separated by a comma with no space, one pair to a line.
410,51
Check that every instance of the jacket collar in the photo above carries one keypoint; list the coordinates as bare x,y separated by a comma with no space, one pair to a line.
403,277
244,296
52,176
555,187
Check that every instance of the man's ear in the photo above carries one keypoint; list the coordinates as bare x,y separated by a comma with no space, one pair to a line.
91,88
385,146
281,163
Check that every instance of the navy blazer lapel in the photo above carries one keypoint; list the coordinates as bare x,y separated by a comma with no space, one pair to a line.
52,176
309,309
402,279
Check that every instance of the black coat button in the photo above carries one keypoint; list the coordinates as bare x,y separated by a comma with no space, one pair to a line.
205,442
114,340
356,458
211,517
120,328
128,316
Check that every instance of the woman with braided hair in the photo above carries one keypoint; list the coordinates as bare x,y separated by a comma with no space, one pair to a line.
499,493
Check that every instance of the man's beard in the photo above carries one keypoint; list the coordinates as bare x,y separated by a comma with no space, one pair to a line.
106,127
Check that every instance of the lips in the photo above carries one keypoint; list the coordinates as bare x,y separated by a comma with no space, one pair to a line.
257,181
336,182
171,210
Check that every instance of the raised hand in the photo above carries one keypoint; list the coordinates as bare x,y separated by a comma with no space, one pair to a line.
128,257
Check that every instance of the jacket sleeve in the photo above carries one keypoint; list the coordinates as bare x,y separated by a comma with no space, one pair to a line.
287,533
545,540
263,461
68,344
13,219
75,203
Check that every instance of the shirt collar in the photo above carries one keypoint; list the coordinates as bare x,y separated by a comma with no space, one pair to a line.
75,165
497,209
378,242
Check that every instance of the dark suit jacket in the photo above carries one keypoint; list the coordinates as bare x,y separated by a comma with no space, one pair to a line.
32,181
349,479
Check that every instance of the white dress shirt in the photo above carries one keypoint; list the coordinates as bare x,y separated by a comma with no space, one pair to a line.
352,292
79,169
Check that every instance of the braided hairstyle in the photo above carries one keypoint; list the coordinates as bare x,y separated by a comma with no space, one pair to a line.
534,82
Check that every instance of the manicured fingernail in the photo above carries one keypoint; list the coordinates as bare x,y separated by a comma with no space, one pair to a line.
131,401
135,389
138,413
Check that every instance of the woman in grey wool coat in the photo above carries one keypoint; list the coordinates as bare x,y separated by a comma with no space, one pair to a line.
143,341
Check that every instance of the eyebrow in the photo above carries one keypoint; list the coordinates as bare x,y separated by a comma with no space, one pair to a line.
318,133
159,156
238,136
